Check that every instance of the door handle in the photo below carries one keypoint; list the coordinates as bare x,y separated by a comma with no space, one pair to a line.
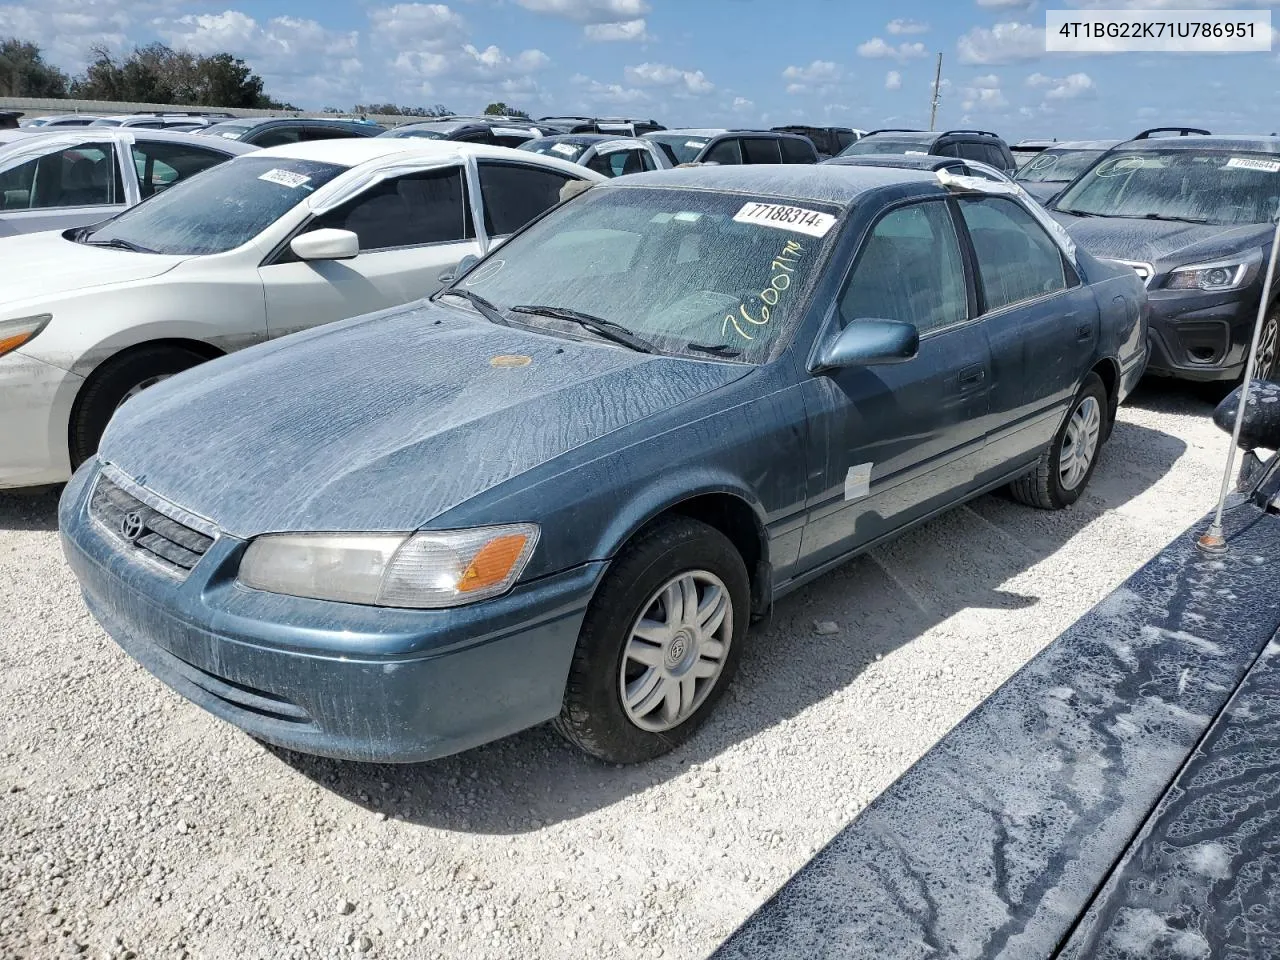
971,376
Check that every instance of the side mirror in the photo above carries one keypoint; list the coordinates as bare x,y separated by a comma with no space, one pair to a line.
1261,424
326,244
868,342
462,266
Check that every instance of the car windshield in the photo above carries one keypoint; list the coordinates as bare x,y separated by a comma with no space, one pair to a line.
871,145
422,132
1201,186
232,129
694,272
565,149
1057,166
680,147
216,210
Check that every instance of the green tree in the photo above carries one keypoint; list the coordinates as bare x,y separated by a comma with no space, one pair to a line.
503,110
158,74
23,72
392,110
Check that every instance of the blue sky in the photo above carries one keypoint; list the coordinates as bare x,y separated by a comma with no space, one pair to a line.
693,62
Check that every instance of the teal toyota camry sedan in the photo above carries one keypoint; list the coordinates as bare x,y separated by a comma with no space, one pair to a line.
562,489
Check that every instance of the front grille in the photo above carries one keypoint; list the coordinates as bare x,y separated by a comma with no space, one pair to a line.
143,529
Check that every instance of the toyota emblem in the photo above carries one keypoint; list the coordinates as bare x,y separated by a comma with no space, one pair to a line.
131,526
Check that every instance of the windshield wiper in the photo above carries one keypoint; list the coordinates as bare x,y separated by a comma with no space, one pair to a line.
486,309
117,243
597,325
1079,213
1161,216
718,349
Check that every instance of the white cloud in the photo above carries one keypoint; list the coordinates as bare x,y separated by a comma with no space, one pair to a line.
877,49
1003,43
589,11
900,27
893,80
820,71
608,92
661,75
742,104
431,26
623,30
66,29
988,82
1006,4
991,98
1071,87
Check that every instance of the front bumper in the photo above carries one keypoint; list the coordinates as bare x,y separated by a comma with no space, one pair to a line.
335,679
1201,336
35,409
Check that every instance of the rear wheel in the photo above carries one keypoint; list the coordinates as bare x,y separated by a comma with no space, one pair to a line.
116,382
1268,352
1065,467
659,644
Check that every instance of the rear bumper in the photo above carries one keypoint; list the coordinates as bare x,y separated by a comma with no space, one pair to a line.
334,679
35,409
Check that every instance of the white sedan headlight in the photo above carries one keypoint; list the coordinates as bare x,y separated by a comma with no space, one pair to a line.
432,569
1214,277
14,333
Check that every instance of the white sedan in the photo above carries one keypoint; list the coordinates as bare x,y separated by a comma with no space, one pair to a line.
264,245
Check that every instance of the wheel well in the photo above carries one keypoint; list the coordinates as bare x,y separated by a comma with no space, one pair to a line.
733,517
205,350
1109,373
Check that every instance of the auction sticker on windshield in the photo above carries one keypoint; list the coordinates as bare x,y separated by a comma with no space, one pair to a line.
783,217
1244,163
286,178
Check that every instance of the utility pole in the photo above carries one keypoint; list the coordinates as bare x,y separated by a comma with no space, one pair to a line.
937,93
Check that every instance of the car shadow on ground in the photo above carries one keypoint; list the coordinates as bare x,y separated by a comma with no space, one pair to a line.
880,601
31,509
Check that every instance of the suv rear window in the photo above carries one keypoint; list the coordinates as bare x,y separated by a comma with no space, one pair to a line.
796,151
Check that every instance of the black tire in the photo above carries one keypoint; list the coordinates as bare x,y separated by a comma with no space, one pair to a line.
1268,358
111,383
593,716
1043,486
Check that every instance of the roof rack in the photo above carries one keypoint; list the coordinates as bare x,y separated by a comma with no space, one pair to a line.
1180,131
981,133
896,130
181,113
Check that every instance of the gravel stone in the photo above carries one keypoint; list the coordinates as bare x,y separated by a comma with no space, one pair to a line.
523,848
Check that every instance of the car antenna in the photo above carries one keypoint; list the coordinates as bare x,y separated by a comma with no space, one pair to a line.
1212,541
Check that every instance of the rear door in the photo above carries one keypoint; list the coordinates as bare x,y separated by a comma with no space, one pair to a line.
412,228
1041,325
899,441
65,185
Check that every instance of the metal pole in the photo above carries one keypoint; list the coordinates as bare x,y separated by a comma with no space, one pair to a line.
937,93
1213,541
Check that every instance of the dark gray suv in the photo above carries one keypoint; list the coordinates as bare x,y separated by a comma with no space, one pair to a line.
966,144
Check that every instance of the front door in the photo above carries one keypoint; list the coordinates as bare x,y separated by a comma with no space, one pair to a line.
412,229
895,442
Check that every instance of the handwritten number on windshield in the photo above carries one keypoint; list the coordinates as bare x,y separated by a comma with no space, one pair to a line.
782,267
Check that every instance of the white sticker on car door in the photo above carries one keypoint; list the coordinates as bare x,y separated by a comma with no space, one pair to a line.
857,482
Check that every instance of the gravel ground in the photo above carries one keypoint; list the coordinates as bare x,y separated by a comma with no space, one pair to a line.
134,824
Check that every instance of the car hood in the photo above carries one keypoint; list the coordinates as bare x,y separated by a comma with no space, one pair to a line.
386,421
40,266
1161,241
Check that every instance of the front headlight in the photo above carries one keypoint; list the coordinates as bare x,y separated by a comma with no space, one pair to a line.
431,569
14,333
1218,276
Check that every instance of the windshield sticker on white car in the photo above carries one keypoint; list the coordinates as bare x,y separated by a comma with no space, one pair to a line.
687,216
695,144
781,270
857,482
286,178
915,153
564,148
783,217
1246,163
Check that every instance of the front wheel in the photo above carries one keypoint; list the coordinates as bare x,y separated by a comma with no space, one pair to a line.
1268,352
1065,467
660,642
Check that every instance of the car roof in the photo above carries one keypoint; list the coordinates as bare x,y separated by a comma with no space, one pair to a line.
821,183
1084,145
689,132
903,161
315,121
373,150
1255,143
127,134
582,139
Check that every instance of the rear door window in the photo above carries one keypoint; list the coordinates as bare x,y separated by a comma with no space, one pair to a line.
87,175
796,151
760,150
1017,259
514,193
161,165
